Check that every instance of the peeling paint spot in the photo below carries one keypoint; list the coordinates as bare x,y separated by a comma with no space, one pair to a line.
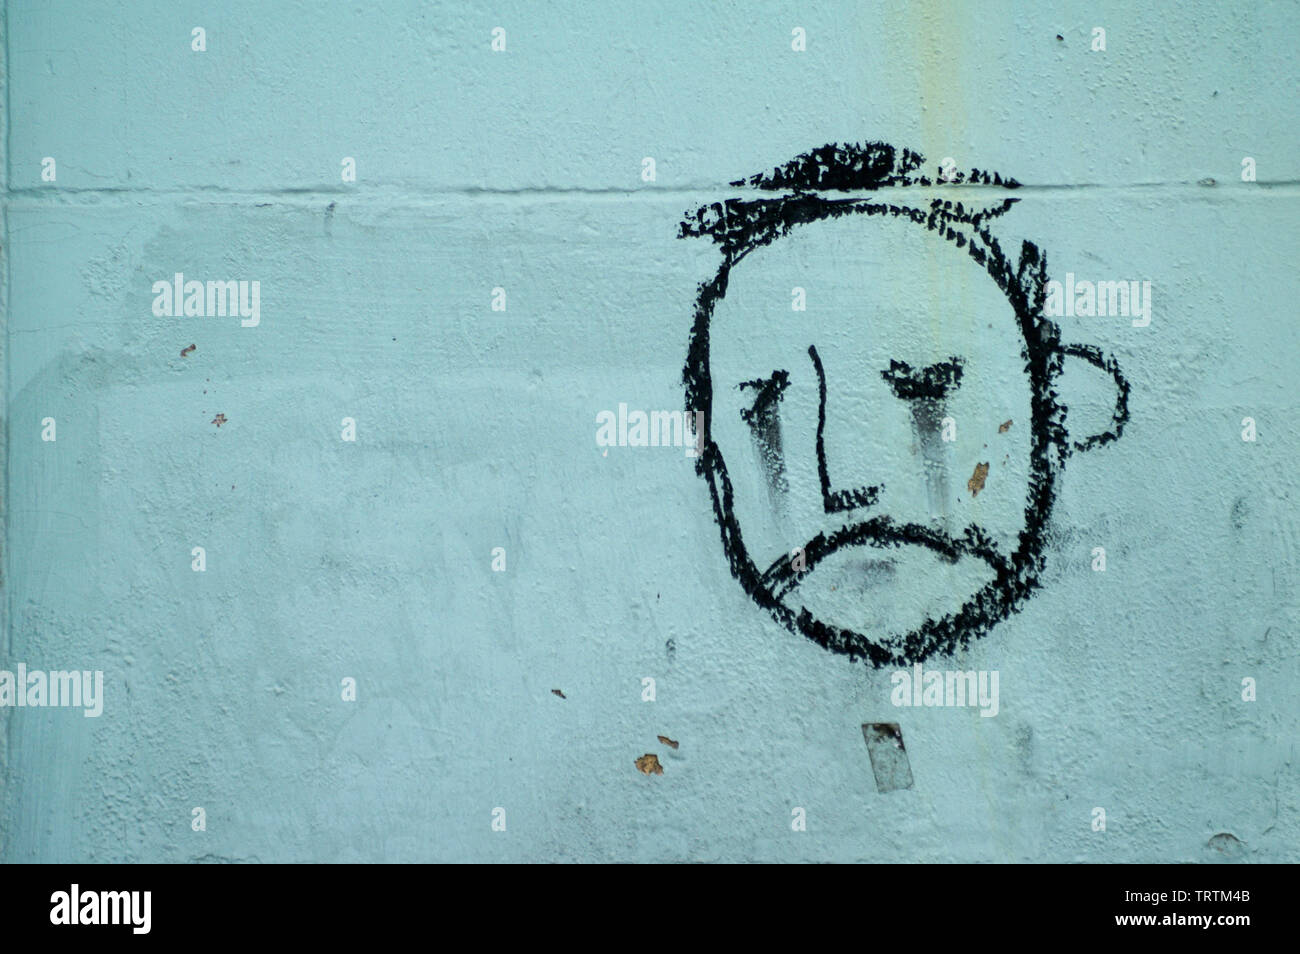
648,764
186,352
1004,427
1226,843
557,692
888,756
976,482
1240,510
667,741
219,420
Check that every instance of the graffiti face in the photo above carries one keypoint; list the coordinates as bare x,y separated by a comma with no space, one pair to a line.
850,507
830,424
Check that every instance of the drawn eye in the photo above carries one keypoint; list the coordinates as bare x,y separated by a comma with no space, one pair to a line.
768,392
932,382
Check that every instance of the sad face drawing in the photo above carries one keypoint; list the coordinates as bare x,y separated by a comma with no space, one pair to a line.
876,386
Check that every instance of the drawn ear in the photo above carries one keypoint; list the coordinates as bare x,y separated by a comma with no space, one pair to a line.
1094,356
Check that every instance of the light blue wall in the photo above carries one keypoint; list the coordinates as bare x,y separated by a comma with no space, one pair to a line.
476,429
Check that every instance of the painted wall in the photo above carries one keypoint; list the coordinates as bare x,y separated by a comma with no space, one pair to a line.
476,428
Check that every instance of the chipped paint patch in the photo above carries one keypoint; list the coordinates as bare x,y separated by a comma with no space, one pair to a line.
888,756
1227,844
976,482
648,764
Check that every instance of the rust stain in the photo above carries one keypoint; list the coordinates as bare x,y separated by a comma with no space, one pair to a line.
667,741
1004,427
219,420
648,764
185,352
976,482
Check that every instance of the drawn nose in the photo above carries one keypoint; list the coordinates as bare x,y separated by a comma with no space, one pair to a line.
834,501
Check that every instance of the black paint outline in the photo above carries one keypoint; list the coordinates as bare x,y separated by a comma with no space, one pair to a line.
808,187
931,383
840,501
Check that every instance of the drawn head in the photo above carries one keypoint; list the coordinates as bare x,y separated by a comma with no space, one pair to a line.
894,434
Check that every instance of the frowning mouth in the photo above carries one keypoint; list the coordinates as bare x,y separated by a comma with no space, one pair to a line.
786,573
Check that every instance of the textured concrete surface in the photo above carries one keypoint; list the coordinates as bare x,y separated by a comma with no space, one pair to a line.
475,429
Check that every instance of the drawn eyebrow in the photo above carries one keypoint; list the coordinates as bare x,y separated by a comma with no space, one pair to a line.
770,391
932,382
